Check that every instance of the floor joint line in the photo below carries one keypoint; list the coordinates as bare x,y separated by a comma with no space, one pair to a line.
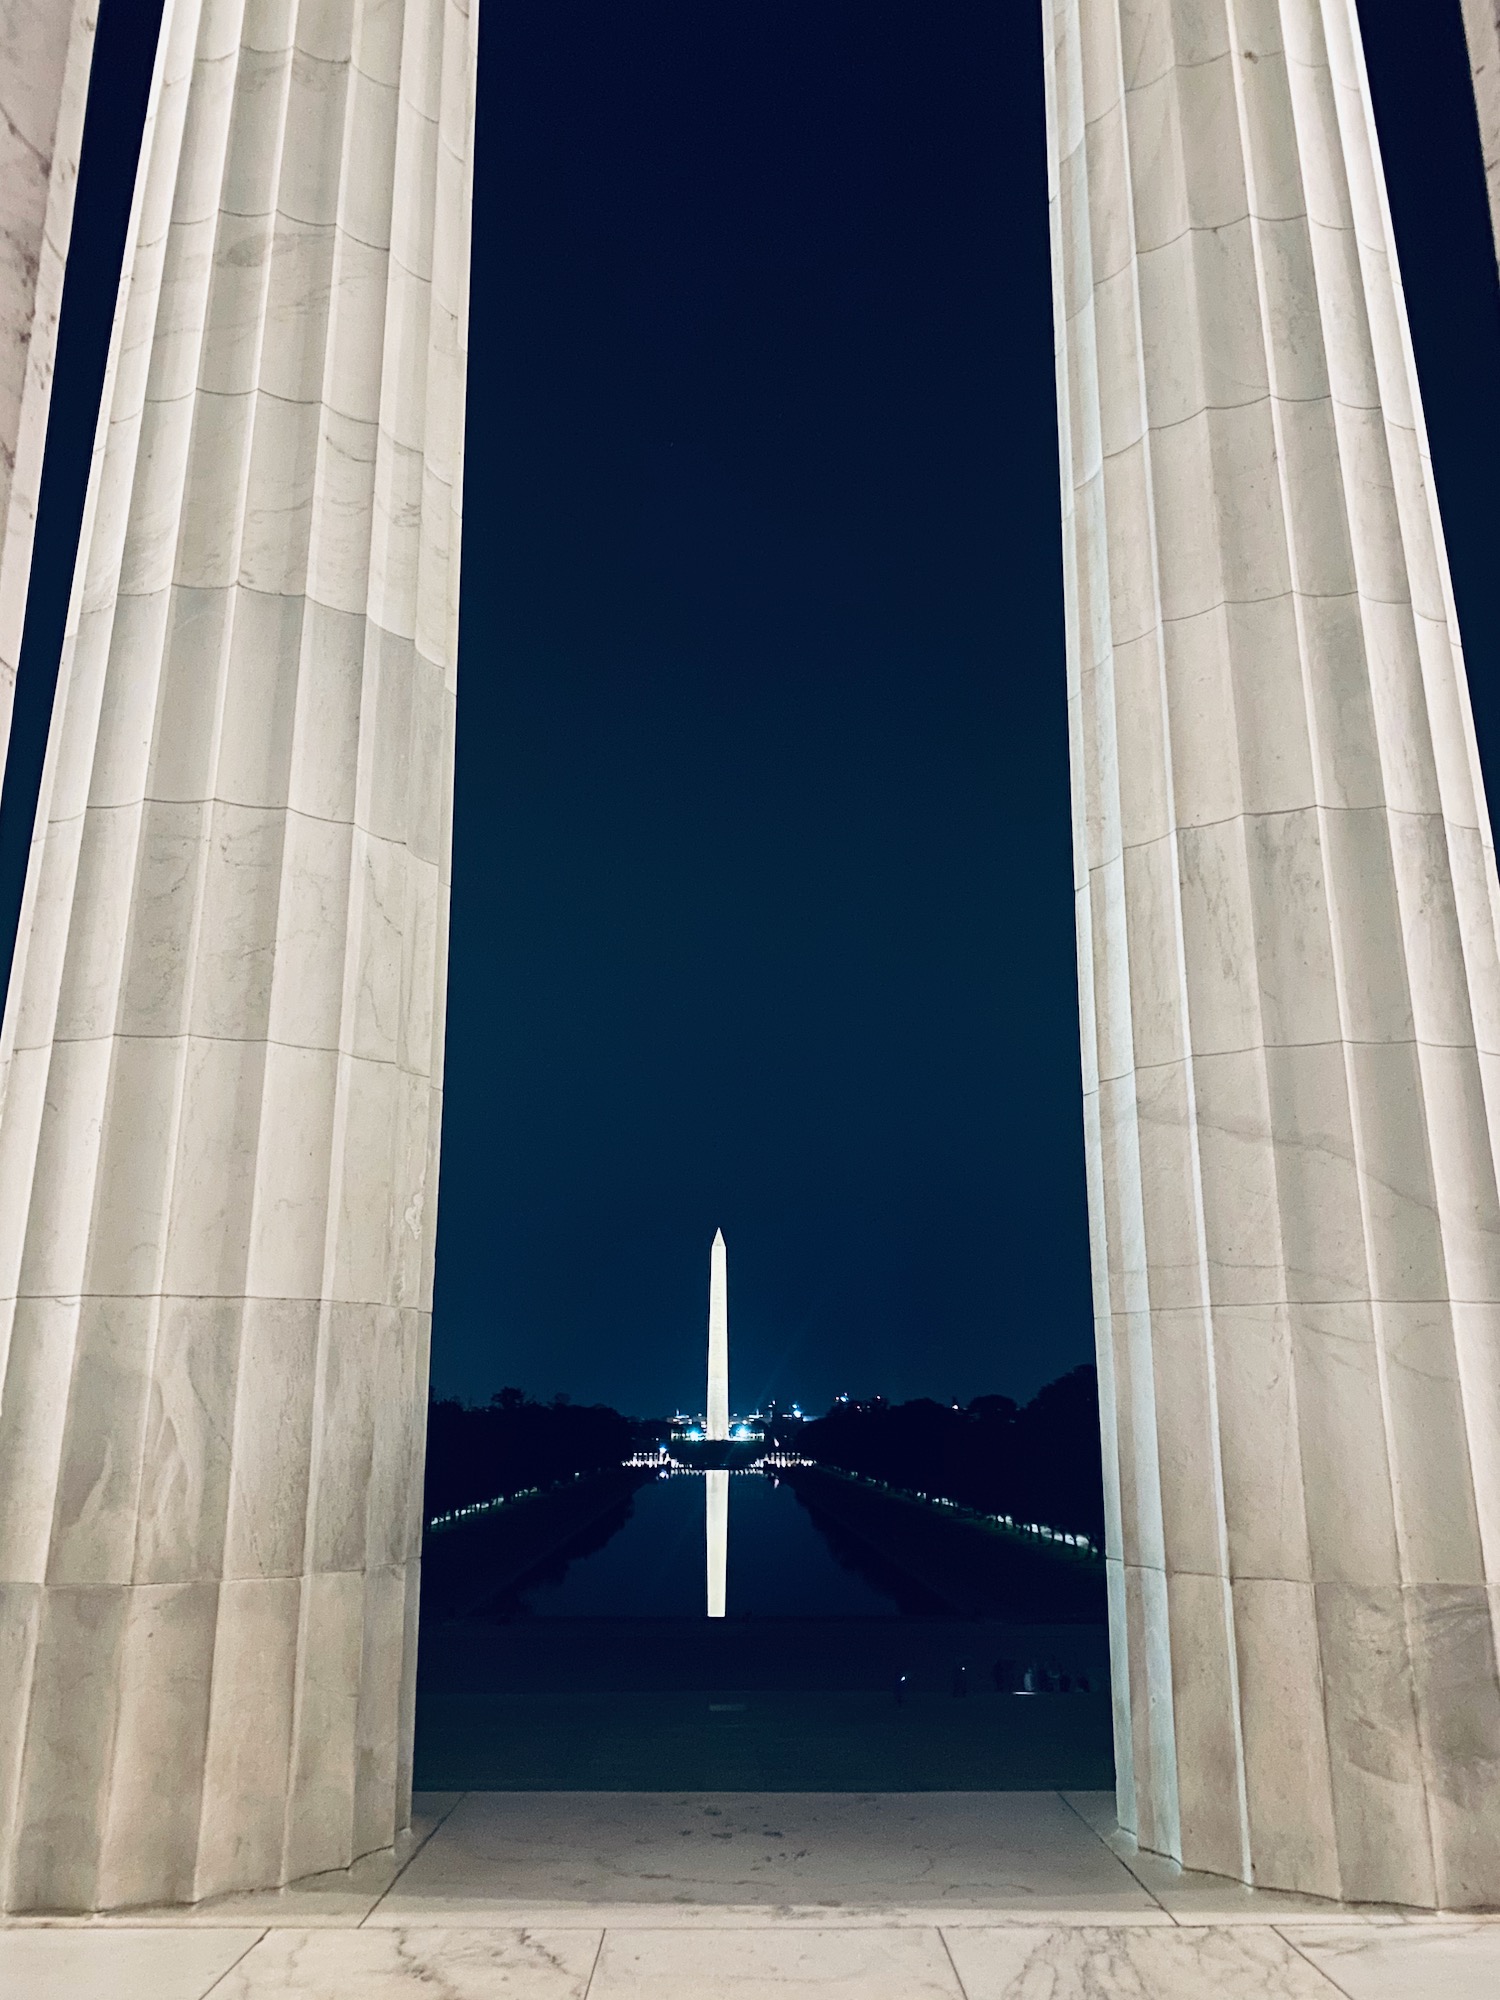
440,1821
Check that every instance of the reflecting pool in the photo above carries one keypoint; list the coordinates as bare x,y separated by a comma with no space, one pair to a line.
567,1643
779,1563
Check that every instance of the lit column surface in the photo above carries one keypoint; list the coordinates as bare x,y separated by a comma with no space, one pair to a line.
1482,26
218,1148
716,1536
45,54
1288,958
718,1340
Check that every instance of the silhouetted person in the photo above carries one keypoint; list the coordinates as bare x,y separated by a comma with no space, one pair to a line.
960,1679
900,1690
1006,1676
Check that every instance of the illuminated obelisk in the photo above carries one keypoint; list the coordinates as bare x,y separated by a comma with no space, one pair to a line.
718,1340
716,1484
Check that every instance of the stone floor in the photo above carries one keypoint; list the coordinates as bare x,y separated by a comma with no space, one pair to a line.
736,1896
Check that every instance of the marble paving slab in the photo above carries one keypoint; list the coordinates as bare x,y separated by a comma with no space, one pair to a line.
1243,1961
1427,1959
485,1964
1430,1960
503,1852
118,1963
771,1964
574,1896
1212,1899
749,1916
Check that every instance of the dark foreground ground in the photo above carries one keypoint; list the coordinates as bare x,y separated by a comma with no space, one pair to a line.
774,1705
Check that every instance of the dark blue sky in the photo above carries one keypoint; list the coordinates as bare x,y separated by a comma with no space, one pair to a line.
761,834
761,895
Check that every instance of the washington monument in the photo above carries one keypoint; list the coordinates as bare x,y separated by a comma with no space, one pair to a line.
716,1484
718,1340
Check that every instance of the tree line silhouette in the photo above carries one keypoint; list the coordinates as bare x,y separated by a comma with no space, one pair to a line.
512,1444
1037,1462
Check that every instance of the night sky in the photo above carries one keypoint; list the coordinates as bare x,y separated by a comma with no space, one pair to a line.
761,913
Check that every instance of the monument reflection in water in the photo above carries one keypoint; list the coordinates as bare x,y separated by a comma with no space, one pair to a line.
716,1535
716,1443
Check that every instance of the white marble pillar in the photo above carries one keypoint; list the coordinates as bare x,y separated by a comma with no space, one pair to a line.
1287,929
46,47
222,1046
1482,28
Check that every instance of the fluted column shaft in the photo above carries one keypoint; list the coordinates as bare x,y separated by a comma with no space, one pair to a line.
1482,29
1287,929
45,55
223,1040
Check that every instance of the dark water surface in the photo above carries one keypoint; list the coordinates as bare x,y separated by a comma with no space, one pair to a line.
780,1564
599,1670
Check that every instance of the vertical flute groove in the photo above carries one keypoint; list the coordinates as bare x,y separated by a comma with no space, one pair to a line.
1288,966
48,59
218,1141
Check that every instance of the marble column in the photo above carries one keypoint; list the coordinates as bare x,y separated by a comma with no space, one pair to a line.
1482,28
222,1045
1287,924
46,47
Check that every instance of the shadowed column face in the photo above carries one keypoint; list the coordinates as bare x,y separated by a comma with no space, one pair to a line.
1290,1002
45,53
222,1048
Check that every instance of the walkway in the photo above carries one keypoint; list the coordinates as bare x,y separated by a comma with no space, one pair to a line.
739,1896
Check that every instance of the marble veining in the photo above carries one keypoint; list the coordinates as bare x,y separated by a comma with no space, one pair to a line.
221,1060
222,1049
439,1964
1289,960
1133,1964
468,1936
1436,1961
747,1956
45,56
766,1964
